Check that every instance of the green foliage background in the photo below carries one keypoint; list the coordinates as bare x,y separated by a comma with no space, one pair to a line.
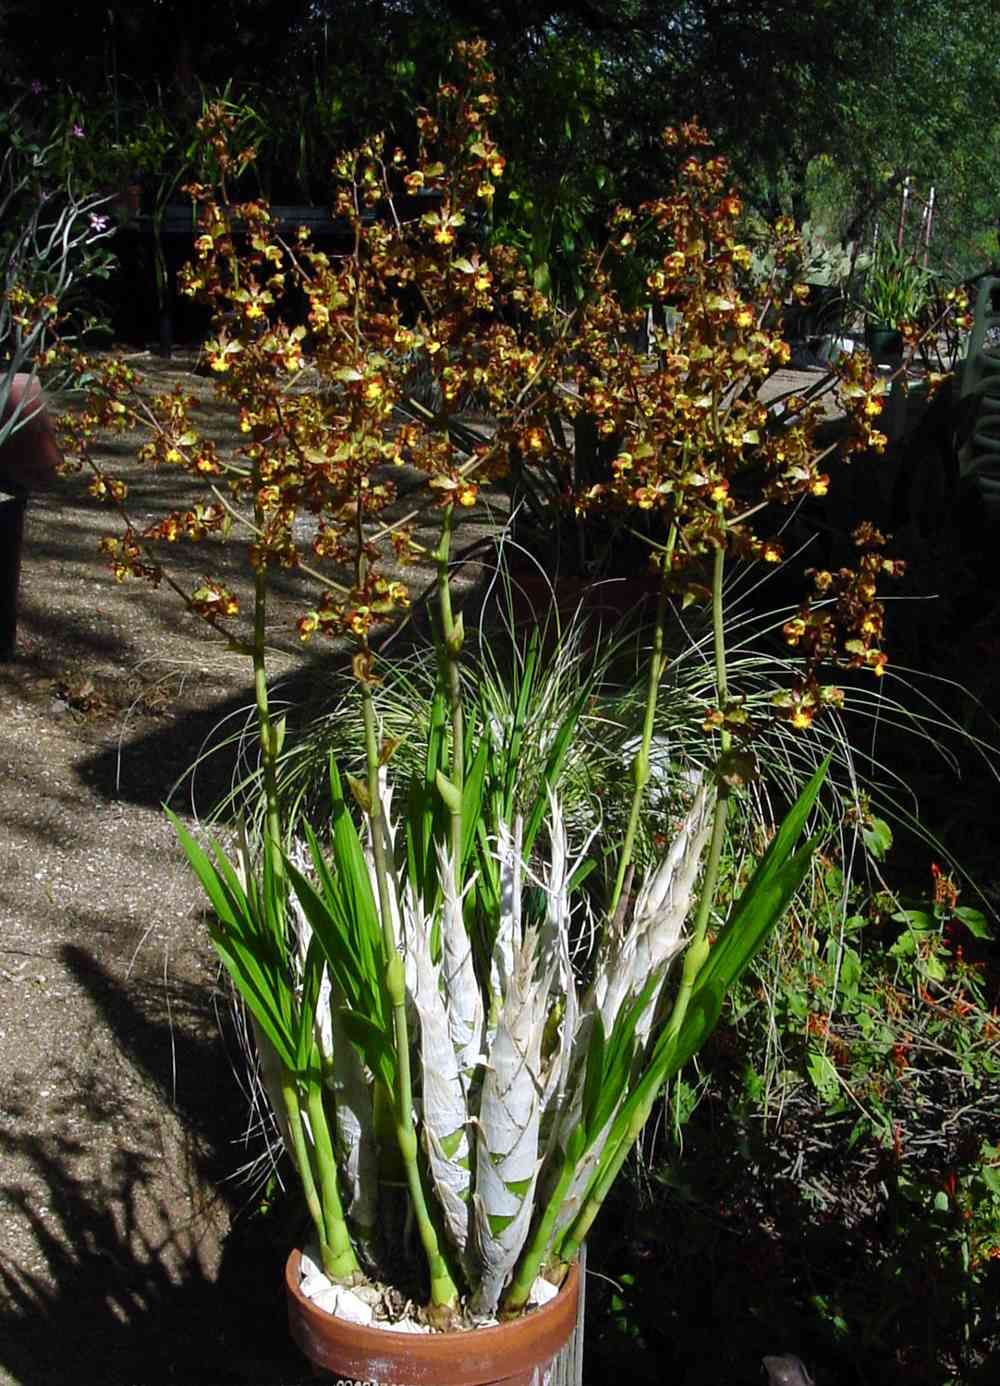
823,108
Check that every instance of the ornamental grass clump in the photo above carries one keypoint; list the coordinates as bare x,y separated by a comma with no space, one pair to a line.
434,1033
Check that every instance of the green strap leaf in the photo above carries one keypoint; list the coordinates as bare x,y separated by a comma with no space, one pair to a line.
356,973
312,978
224,905
472,798
594,1077
760,907
376,1048
743,937
619,1052
244,946
553,765
258,993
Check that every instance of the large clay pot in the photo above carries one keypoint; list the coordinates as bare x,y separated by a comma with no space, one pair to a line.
518,1353
30,456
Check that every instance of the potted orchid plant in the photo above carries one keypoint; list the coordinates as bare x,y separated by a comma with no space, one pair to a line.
440,1050
897,293
52,241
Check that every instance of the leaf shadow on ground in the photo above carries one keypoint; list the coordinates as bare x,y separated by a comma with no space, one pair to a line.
118,1290
154,766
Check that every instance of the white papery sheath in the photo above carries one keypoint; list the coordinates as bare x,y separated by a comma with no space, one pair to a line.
463,999
443,1106
631,955
507,1159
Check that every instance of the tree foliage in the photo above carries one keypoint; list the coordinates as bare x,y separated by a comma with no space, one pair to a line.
841,96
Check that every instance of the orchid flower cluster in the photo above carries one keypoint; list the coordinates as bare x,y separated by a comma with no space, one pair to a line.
691,441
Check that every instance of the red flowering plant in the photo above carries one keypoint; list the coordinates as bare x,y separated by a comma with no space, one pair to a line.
413,1013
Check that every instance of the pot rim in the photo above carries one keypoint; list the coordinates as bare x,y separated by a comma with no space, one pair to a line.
479,1355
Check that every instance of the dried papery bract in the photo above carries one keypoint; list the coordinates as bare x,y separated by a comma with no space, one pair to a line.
445,1112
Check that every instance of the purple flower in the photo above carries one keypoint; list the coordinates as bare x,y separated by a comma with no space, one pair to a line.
36,88
98,222
78,132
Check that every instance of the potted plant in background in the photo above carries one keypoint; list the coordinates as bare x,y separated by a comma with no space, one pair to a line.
50,244
897,291
456,1074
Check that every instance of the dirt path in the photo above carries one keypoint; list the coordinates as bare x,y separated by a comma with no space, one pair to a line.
116,1099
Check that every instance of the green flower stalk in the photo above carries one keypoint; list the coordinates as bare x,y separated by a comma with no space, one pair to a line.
444,1292
452,639
697,951
640,768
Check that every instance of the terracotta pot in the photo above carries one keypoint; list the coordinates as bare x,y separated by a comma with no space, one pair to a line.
510,1354
30,456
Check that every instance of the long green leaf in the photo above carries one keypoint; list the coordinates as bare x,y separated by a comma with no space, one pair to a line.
761,905
378,1052
204,869
472,797
618,1055
330,918
488,883
351,867
312,979
335,927
791,827
751,923
359,928
553,765
526,683
244,948
425,819
418,830
363,986
508,772
594,1077
257,993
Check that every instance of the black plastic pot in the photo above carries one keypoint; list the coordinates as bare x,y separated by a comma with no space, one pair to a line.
12,505
884,343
